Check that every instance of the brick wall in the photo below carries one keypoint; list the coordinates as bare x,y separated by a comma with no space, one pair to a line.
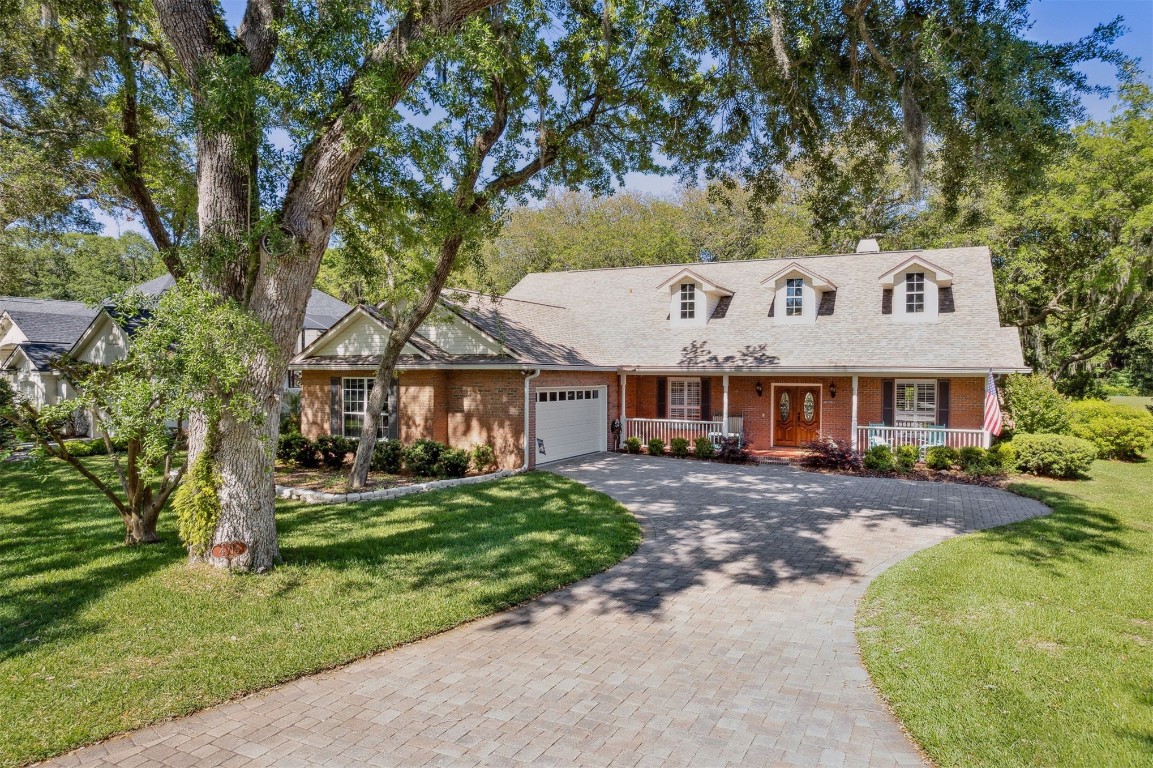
487,407
966,401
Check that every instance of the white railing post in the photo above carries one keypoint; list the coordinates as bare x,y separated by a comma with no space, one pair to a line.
854,432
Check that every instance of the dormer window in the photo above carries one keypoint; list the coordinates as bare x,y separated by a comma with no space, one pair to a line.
799,295
693,299
794,296
915,292
688,301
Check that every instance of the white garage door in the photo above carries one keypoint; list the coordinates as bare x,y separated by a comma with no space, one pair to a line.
570,421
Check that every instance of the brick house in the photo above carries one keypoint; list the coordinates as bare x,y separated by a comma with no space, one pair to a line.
870,347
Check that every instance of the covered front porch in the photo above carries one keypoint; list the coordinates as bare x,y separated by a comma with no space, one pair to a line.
778,415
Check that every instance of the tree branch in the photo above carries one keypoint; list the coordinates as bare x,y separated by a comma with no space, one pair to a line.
257,32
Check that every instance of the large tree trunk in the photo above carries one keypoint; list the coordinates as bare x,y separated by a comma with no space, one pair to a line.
140,529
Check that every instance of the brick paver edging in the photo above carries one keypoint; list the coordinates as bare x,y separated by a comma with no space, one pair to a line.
320,497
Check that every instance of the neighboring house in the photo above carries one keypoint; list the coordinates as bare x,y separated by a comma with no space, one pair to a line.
32,333
868,347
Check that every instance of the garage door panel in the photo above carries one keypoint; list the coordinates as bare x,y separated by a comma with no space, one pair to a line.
570,426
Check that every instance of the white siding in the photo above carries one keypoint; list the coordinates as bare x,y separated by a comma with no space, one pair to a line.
456,338
361,336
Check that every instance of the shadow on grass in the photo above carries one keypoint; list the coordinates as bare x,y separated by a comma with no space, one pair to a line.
1074,532
61,549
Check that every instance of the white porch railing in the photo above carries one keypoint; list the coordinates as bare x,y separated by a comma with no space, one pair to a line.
667,429
868,436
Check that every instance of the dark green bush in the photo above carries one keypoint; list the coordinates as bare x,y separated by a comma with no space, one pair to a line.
732,451
333,450
971,458
1002,456
1054,455
1034,404
656,447
483,458
907,456
679,447
880,458
421,457
290,445
704,448
83,448
940,457
1118,431
453,462
387,456
633,444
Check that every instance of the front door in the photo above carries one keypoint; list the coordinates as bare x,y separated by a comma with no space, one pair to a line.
797,415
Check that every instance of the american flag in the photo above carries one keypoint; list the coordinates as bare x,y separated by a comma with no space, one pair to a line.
993,420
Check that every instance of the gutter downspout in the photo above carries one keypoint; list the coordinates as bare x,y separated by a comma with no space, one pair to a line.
527,379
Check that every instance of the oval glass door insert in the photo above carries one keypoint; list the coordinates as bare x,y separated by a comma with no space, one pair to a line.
785,406
809,409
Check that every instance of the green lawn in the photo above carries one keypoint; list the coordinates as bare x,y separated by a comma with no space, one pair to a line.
96,638
1032,644
1134,401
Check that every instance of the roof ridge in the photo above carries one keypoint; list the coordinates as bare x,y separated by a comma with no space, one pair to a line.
503,298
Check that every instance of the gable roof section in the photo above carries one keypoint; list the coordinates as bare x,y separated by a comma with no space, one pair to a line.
818,282
39,355
686,273
944,276
613,317
46,321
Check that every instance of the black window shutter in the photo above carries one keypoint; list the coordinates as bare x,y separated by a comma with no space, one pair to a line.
706,400
662,398
887,301
945,300
393,431
943,402
336,407
888,402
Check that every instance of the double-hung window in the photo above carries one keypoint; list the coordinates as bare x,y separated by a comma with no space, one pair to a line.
916,402
915,292
355,402
688,301
685,399
794,296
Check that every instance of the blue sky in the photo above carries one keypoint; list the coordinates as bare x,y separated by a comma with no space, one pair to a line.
1053,21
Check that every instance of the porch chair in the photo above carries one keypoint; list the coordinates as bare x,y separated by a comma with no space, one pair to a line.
876,435
936,436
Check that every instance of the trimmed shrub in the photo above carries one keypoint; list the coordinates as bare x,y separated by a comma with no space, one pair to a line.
1002,456
453,462
1054,455
1118,431
971,458
290,445
879,458
940,457
483,458
333,450
421,456
679,447
1035,405
704,448
83,448
633,444
907,456
387,456
656,447
830,453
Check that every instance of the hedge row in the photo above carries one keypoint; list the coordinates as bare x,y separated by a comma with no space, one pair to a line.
423,458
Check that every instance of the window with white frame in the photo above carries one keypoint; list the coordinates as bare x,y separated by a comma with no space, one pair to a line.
916,402
794,301
685,399
915,292
355,402
688,301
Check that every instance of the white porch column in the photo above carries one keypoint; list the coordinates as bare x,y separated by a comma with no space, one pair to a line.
724,404
853,419
624,407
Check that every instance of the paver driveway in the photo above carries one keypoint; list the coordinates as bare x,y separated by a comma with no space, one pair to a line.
726,639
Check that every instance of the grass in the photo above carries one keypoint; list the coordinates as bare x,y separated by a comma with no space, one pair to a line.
97,638
1133,401
1031,644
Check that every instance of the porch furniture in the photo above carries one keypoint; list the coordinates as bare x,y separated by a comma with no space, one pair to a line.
936,436
923,436
877,435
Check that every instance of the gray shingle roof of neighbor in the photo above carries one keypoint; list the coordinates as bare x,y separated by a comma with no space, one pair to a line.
321,313
42,354
616,318
48,321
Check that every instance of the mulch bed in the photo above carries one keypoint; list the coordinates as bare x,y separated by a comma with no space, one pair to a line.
336,480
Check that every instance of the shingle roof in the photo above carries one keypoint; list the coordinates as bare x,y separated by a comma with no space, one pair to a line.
614,317
321,313
47,320
41,355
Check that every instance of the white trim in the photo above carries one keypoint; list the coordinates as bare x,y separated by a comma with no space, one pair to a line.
913,381
816,280
382,427
602,414
943,277
854,418
773,411
700,398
